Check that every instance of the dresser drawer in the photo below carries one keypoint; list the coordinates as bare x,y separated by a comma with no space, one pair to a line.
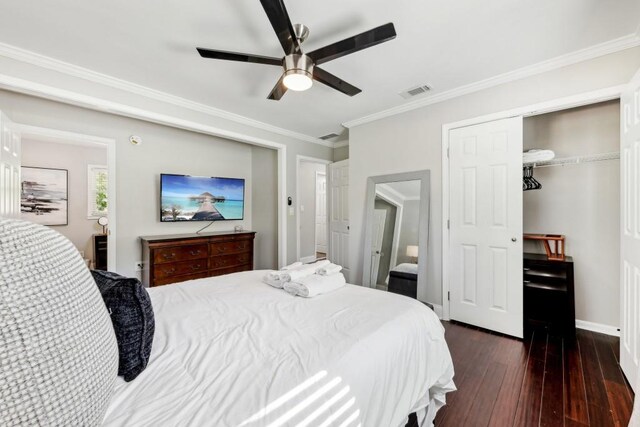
225,261
226,248
180,253
161,271
177,279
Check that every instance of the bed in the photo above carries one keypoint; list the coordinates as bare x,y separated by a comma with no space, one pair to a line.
232,351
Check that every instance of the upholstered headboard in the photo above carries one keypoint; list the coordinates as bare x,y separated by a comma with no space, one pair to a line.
58,352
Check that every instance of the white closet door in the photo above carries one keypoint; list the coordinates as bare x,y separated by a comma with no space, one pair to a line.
321,212
379,221
10,155
339,215
630,233
485,167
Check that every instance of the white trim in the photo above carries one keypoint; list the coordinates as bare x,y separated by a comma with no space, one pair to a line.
64,137
296,202
68,69
598,327
315,234
92,103
526,111
612,46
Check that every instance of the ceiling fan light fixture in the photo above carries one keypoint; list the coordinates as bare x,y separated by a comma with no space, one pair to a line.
298,80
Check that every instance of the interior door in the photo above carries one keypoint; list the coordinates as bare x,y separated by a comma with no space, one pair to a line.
321,213
10,156
377,236
339,215
485,196
630,233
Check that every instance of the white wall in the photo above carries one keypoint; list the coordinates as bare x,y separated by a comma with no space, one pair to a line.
580,201
412,141
264,216
307,202
340,153
75,159
408,229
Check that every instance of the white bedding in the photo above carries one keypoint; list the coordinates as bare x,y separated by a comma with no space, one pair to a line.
232,351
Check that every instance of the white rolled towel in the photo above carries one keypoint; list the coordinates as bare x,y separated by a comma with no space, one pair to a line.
275,279
314,285
329,269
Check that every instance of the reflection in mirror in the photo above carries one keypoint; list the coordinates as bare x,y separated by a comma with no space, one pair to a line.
394,239
396,236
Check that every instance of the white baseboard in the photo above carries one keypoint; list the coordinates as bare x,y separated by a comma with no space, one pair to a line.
598,327
308,259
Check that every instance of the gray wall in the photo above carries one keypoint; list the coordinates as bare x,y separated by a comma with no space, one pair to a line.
75,159
581,201
408,229
308,201
264,215
387,238
340,153
413,141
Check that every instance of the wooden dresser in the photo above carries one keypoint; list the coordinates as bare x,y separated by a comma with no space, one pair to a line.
180,257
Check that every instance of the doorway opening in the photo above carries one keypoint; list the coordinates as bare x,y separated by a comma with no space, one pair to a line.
311,209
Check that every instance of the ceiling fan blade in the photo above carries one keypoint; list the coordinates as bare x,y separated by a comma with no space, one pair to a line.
334,82
279,18
353,44
241,57
278,90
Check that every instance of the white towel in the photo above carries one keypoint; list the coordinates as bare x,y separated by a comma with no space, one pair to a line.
329,269
274,279
291,266
534,155
314,285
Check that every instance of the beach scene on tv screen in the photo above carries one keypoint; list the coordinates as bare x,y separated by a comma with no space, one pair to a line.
192,198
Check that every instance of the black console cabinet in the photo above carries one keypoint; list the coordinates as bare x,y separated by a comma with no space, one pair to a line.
549,300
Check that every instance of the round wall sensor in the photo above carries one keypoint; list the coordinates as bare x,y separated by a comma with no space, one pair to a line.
135,140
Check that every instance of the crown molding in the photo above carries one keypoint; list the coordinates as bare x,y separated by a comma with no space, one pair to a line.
612,46
340,144
29,57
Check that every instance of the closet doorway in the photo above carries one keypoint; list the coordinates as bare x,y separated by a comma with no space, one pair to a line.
590,175
311,209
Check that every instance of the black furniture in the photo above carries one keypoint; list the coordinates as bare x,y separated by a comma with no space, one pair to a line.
403,283
100,252
549,301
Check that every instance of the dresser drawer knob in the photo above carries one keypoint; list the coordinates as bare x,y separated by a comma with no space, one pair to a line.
173,270
169,256
194,253
195,267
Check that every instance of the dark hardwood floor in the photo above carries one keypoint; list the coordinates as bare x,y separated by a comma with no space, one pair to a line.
541,381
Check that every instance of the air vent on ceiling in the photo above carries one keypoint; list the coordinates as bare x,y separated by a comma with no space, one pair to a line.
329,136
415,91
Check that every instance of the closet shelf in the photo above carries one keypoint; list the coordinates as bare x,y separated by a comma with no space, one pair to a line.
575,160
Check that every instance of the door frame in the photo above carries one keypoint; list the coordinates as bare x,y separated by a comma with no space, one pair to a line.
73,138
565,103
308,159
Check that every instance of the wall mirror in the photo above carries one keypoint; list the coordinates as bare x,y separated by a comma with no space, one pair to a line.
397,233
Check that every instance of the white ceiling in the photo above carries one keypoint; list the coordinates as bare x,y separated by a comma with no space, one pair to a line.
445,44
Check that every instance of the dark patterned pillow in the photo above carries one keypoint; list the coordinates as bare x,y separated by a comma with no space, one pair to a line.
132,316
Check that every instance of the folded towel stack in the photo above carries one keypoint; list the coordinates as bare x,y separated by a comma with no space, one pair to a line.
294,271
329,269
311,286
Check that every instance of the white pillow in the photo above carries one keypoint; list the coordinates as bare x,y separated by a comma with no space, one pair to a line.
58,352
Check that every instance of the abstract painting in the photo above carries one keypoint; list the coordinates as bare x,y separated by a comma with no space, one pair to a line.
44,196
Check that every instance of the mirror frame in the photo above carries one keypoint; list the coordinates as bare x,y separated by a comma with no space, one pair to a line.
424,176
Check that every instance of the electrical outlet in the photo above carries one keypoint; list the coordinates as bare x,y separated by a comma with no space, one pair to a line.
139,266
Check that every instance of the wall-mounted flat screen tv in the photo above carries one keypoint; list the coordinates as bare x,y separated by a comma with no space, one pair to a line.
199,198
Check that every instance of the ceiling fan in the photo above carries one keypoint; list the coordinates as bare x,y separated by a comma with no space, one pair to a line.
300,69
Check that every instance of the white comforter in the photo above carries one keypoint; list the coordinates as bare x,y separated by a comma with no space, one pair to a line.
232,351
